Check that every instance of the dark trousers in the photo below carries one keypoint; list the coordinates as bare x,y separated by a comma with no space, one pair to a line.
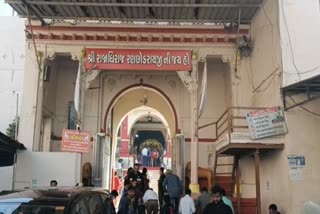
175,204
144,161
152,207
160,198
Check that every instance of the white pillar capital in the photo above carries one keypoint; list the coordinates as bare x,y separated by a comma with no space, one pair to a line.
76,56
90,77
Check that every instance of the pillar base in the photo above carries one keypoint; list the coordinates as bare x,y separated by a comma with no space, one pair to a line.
195,188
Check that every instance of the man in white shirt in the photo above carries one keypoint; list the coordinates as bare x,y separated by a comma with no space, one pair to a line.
150,198
144,154
187,204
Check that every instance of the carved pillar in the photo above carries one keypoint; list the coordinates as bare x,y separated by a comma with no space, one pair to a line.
190,81
194,186
232,80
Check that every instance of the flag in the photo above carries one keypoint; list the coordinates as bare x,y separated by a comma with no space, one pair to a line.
77,93
203,92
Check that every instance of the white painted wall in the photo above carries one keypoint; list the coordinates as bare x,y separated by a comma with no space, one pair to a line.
6,174
37,169
300,33
12,55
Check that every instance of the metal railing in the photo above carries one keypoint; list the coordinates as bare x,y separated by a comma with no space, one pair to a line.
231,120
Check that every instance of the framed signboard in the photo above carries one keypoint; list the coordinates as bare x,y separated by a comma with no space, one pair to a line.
266,123
75,141
138,59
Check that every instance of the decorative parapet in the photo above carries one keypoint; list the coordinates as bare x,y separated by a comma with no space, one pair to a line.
141,34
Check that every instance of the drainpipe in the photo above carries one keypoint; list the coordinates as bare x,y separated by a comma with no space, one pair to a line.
14,170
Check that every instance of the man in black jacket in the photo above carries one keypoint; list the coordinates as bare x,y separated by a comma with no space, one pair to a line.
160,186
217,206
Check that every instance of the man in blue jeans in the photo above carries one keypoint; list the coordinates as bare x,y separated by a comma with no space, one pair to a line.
173,186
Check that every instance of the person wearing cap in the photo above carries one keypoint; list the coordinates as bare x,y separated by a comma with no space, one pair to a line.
137,175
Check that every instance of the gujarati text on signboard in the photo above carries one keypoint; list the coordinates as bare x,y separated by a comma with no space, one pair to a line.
75,141
266,123
138,59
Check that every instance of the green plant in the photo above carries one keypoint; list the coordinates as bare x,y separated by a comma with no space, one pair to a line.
11,130
152,143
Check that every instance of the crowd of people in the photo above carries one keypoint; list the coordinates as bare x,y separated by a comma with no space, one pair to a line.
138,197
151,157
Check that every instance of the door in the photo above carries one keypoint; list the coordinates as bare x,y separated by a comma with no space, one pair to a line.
178,156
102,161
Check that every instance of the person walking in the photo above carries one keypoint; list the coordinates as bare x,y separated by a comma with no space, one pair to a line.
217,205
135,174
166,207
128,204
154,158
204,199
173,186
144,154
149,156
150,198
115,181
187,204
273,209
226,200
146,177
160,186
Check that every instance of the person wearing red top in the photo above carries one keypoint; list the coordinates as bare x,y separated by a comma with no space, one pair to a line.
154,156
115,182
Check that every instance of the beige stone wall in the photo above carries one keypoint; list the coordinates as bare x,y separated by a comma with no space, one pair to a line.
217,91
302,139
255,83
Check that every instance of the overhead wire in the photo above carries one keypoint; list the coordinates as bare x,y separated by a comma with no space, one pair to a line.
274,73
291,48
304,108
272,76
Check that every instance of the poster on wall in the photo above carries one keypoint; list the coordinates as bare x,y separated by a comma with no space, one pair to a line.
266,123
295,174
75,141
296,164
296,161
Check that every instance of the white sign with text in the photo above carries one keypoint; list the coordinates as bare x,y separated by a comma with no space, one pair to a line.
266,123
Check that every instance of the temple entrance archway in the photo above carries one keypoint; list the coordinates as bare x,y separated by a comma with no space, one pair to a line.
139,110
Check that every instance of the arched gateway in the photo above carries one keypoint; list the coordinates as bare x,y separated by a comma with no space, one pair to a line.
154,77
